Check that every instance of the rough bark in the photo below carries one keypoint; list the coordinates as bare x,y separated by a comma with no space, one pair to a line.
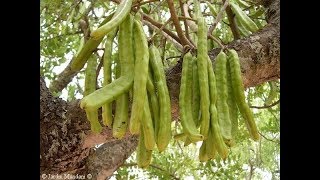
67,145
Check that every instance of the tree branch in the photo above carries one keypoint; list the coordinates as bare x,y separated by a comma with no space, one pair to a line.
66,139
266,106
168,37
218,18
159,25
272,140
233,27
102,162
175,20
184,21
193,26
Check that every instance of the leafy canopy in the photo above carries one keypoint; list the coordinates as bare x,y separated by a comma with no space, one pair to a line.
60,40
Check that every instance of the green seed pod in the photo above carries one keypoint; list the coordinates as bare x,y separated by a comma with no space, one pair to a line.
126,58
211,149
107,93
222,95
243,18
238,90
272,93
147,126
89,87
195,94
143,155
203,76
187,122
81,58
233,109
203,157
107,77
119,16
164,132
140,76
154,103
216,133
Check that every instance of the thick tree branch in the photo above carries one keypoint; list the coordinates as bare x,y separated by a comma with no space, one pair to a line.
66,139
102,162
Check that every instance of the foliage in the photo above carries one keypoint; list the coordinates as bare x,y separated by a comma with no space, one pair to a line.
60,39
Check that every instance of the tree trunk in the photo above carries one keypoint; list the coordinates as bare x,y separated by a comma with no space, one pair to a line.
67,144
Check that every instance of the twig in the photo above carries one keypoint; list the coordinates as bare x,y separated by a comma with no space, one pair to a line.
155,23
74,4
99,68
163,43
86,12
266,106
193,26
144,2
175,20
168,37
184,20
157,7
217,41
233,27
219,17
272,140
160,29
251,169
159,25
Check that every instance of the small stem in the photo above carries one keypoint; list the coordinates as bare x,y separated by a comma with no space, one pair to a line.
272,140
219,17
267,106
160,29
159,25
167,36
217,41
